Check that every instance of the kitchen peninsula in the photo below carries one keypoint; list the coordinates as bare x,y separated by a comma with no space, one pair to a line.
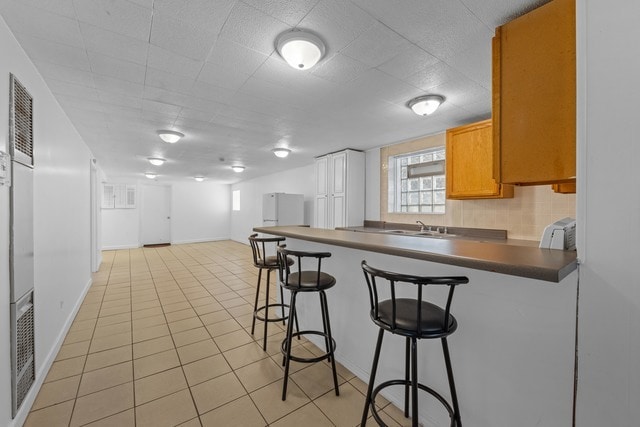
516,339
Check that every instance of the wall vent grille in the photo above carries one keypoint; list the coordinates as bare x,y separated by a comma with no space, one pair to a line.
22,350
21,123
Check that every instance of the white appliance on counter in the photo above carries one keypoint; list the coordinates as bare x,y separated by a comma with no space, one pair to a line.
560,235
282,209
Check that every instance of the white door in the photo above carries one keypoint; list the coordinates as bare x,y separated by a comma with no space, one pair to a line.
156,214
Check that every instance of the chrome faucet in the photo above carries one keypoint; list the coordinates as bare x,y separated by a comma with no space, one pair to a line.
422,225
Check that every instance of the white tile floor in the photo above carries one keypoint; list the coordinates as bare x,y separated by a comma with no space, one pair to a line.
163,339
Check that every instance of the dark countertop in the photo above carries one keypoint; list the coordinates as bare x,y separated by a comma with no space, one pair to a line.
517,258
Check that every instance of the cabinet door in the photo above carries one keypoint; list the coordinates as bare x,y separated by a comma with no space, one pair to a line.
321,176
338,170
470,163
321,210
534,96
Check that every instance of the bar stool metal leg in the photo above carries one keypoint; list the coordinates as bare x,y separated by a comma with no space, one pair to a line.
255,304
372,378
289,338
452,385
414,383
407,367
329,339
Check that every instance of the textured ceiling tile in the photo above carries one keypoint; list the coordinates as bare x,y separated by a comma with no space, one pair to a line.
235,56
161,107
433,75
498,12
337,22
41,50
288,11
70,89
113,44
120,99
207,14
376,45
121,17
112,85
222,76
174,63
339,69
462,91
211,92
59,7
276,70
181,37
383,86
160,79
40,23
408,62
475,62
252,28
123,70
64,73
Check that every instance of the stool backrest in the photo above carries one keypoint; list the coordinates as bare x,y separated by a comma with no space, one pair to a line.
259,246
285,267
377,279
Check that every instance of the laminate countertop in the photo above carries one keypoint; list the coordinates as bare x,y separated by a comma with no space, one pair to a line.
516,258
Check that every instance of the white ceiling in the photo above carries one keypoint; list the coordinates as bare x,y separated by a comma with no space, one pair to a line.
122,69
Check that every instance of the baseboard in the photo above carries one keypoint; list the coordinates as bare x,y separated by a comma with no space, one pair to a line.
115,248
208,239
41,374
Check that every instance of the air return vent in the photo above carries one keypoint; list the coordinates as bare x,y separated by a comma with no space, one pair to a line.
23,373
21,123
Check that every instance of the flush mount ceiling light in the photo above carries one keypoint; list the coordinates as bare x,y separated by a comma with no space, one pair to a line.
199,178
425,105
170,136
281,152
150,175
156,161
237,168
301,49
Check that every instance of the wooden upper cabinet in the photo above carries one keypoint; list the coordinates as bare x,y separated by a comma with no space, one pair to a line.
534,96
469,163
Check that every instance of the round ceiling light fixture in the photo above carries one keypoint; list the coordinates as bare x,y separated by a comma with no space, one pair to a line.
199,178
281,152
156,161
150,175
170,136
237,168
425,105
301,49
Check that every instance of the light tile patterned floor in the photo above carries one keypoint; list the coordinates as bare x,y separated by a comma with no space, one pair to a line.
163,339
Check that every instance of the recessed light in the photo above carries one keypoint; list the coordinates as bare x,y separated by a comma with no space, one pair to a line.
170,136
425,105
150,175
199,178
156,161
281,152
237,168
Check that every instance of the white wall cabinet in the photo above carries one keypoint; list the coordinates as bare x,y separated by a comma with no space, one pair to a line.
340,189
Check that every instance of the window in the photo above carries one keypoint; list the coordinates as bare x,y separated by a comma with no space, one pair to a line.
235,200
118,196
417,182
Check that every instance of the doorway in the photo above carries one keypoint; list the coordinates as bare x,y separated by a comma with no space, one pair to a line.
156,215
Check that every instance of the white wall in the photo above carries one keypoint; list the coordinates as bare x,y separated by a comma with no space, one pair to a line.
296,181
608,213
372,185
61,221
200,212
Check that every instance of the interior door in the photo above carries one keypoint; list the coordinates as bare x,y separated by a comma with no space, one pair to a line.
156,214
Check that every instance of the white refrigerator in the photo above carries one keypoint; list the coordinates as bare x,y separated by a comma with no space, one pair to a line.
282,209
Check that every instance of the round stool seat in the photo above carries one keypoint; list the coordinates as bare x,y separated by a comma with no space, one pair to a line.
309,281
432,319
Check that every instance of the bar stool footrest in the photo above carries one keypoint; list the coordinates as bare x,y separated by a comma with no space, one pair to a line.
422,387
298,334
258,316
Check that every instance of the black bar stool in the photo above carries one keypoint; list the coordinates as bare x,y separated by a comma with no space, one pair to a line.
414,319
265,262
306,281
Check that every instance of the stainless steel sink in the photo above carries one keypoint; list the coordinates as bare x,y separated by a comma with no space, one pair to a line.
433,234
